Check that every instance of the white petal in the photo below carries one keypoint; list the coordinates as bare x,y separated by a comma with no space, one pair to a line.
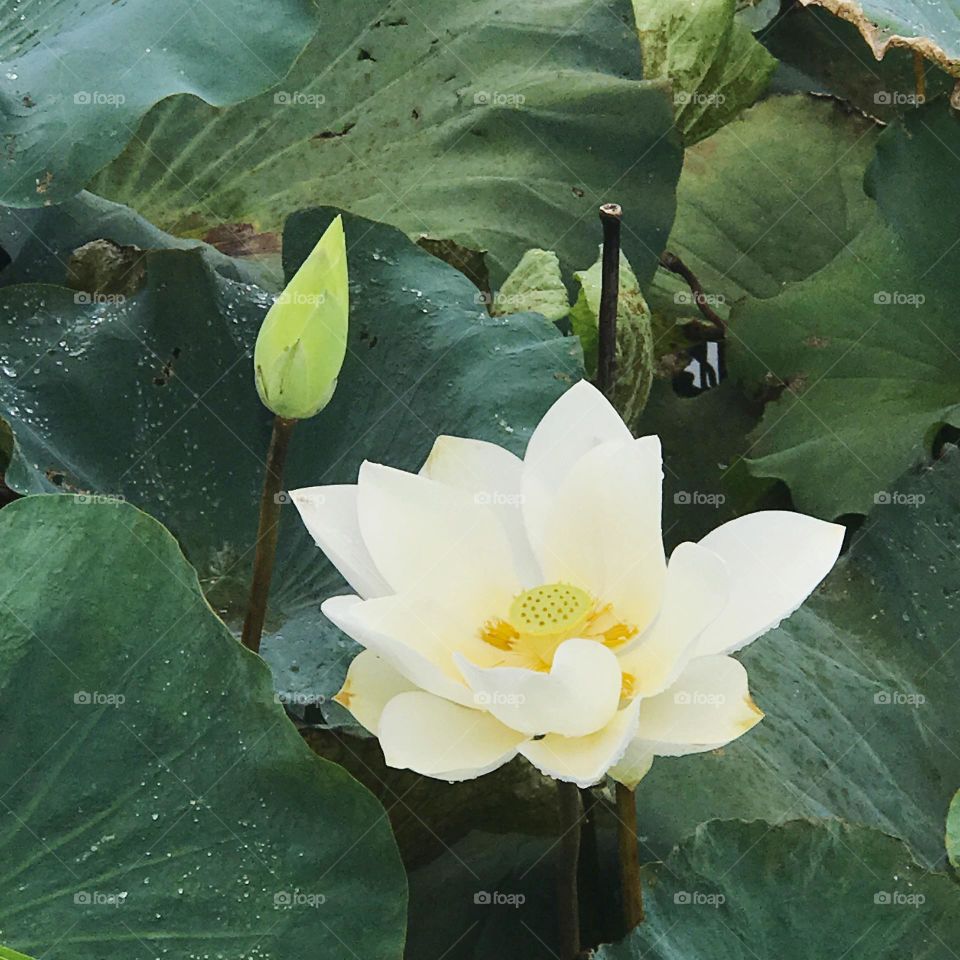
634,765
584,760
423,733
330,516
695,593
576,423
370,684
603,529
577,697
392,628
492,476
775,559
707,707
425,536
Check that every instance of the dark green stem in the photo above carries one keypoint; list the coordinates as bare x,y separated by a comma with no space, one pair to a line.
568,902
631,888
267,531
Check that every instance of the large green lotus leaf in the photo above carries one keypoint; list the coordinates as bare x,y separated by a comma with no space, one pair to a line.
859,691
953,831
799,891
77,77
157,801
481,123
931,29
863,345
714,64
152,397
40,242
824,55
755,212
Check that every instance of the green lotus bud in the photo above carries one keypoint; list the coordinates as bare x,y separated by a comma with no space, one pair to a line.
303,340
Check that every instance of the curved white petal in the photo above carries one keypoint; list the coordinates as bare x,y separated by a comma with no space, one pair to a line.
428,735
370,684
708,706
330,516
695,593
603,529
410,642
425,536
577,697
634,765
775,559
584,760
493,476
576,423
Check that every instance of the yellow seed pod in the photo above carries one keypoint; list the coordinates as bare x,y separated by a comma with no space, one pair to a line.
303,339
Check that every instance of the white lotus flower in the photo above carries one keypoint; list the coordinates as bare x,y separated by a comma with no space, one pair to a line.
525,606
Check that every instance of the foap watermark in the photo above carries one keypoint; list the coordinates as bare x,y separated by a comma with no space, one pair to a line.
697,698
898,298
688,298
298,98
498,699
110,499
288,899
697,898
898,98
897,898
98,898
502,302
684,97
898,698
497,498
95,698
82,297
496,898
302,299
288,698
893,498
494,98
698,498
97,98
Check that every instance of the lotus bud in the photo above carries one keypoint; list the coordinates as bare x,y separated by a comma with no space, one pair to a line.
303,339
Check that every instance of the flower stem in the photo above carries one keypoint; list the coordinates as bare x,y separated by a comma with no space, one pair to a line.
568,902
267,530
631,887
610,215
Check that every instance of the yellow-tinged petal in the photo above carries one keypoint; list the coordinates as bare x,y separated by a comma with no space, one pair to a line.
708,706
577,697
303,339
775,559
584,760
423,733
371,683
695,593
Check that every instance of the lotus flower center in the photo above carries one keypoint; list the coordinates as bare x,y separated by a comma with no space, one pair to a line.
551,609
539,620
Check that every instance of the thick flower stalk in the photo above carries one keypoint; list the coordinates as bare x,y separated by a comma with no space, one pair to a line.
513,606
